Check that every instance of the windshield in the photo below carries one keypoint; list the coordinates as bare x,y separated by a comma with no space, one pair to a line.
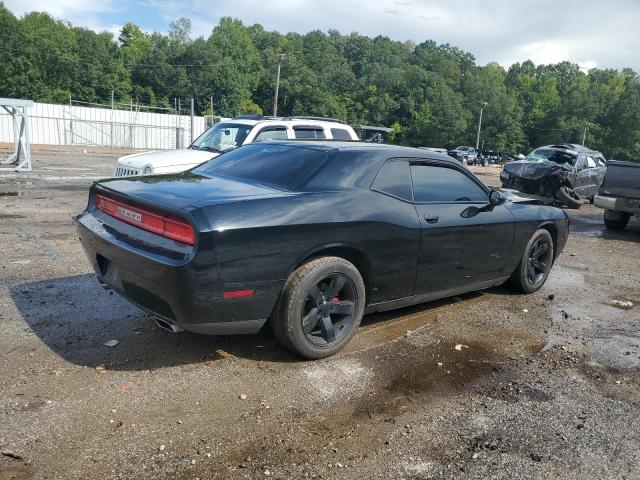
562,158
281,166
222,137
463,149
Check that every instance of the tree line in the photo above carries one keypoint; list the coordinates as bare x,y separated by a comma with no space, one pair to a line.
429,93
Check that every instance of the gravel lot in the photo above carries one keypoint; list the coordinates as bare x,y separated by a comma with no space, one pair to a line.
539,386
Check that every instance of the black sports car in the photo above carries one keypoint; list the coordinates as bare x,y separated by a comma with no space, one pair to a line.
311,235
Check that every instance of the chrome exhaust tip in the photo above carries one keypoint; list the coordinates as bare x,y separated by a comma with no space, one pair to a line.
167,325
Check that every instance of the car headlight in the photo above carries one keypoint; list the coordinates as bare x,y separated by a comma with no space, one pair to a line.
147,170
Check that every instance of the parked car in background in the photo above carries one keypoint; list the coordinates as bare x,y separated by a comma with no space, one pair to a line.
464,154
567,173
511,157
619,193
228,135
311,235
488,157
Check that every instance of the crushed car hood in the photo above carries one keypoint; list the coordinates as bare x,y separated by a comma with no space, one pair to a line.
533,170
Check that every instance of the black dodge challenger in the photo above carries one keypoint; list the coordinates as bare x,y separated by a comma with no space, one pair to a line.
311,235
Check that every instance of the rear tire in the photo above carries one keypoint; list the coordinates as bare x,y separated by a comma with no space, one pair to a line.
320,307
568,197
616,220
535,264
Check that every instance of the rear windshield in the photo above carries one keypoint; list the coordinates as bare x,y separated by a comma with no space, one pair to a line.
281,166
555,156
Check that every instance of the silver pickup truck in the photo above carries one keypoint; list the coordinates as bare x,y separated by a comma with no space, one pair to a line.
619,194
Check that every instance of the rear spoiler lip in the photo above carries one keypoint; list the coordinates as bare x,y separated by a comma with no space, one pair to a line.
195,219
142,202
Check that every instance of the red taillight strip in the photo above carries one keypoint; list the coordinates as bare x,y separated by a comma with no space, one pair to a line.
165,225
237,294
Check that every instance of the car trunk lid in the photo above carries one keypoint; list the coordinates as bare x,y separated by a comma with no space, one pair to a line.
187,191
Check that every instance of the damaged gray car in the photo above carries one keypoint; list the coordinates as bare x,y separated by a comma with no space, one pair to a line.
566,173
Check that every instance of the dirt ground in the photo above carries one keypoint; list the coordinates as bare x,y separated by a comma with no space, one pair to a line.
487,385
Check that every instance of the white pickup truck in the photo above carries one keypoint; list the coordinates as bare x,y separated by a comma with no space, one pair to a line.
230,134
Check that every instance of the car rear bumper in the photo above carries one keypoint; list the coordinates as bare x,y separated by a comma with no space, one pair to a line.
618,204
182,290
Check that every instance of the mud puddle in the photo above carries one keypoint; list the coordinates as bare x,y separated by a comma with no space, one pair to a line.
407,377
383,327
438,370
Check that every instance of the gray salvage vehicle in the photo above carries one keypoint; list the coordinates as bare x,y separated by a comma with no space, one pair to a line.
619,194
566,172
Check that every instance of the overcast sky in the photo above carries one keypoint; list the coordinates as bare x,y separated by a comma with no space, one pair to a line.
592,33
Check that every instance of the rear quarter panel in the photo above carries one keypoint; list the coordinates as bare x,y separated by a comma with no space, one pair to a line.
258,243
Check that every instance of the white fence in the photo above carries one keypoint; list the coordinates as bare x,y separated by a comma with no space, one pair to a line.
116,127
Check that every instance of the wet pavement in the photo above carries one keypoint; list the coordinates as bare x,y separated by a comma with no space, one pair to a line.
485,385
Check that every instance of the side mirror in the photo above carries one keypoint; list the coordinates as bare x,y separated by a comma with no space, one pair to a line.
495,198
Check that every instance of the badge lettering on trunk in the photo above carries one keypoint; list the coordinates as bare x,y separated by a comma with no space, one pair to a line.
125,212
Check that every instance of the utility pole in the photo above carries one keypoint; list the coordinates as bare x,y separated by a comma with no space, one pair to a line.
584,135
281,57
482,105
193,112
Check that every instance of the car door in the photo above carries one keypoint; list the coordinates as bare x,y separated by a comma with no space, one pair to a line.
463,239
582,176
596,174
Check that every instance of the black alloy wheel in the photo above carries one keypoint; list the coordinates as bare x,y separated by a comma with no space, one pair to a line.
535,263
539,261
320,307
329,309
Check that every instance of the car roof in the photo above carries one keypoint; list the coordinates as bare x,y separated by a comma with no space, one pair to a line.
571,148
383,149
285,121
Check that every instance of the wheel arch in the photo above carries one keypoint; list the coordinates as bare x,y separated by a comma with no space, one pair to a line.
349,252
553,231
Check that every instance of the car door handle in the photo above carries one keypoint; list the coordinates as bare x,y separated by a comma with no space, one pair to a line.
430,218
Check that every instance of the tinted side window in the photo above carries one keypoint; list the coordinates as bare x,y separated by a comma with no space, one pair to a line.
282,166
272,133
309,132
443,184
394,179
340,134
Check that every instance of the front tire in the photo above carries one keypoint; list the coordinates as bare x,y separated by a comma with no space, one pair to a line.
570,198
320,307
536,262
616,220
